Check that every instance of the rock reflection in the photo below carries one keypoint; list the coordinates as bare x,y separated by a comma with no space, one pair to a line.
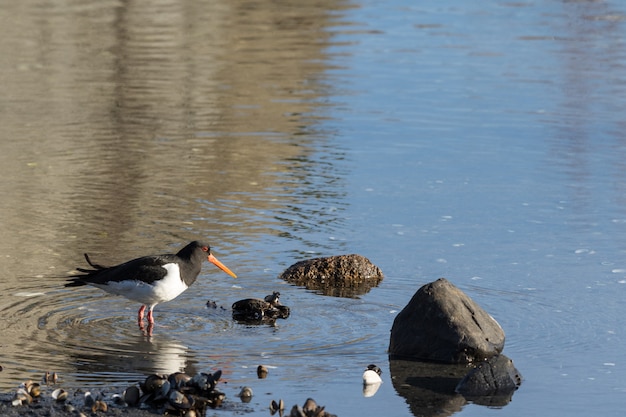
429,387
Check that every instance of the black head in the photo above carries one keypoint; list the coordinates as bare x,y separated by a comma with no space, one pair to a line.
194,248
197,248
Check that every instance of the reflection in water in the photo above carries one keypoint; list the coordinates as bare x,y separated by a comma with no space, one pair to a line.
585,121
420,135
135,126
428,387
137,355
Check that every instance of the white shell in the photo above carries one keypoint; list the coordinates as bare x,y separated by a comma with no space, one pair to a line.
371,377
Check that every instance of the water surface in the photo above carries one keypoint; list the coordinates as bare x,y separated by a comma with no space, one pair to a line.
480,142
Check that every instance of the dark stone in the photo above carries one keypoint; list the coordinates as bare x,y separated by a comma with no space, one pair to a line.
258,311
338,276
441,323
492,382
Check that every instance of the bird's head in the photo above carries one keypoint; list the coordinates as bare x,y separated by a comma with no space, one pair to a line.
217,263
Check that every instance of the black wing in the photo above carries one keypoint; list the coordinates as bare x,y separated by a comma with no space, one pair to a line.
147,269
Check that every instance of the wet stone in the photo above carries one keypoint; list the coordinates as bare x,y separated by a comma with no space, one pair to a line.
491,382
338,276
441,323
258,311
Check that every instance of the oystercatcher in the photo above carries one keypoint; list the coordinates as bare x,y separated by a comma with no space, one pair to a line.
149,280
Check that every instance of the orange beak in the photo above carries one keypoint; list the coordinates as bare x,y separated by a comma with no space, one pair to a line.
220,265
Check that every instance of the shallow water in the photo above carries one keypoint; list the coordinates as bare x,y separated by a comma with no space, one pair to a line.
480,142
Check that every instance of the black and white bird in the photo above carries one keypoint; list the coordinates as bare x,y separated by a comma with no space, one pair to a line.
149,280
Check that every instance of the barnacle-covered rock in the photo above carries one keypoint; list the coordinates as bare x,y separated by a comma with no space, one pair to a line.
339,276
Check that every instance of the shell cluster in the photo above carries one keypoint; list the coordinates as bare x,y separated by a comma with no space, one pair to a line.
26,393
31,391
176,394
309,409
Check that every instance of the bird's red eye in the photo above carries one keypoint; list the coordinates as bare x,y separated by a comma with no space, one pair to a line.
205,248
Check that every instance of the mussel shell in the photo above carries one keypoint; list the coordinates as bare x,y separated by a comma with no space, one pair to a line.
215,398
59,395
89,400
131,396
261,372
21,397
296,411
245,394
273,407
178,379
200,380
204,381
118,399
153,383
277,406
17,401
179,400
33,388
165,389
310,405
99,405
217,375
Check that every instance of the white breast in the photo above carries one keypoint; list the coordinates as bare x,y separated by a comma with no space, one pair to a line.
171,286
165,289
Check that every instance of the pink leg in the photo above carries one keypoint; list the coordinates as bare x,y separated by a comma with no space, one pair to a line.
150,318
140,314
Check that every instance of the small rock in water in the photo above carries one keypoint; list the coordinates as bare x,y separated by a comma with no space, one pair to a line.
259,311
495,377
338,276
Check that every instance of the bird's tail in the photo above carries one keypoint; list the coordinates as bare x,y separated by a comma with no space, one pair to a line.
77,281
93,265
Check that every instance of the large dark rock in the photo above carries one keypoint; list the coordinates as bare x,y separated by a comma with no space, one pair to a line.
491,382
441,323
339,276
